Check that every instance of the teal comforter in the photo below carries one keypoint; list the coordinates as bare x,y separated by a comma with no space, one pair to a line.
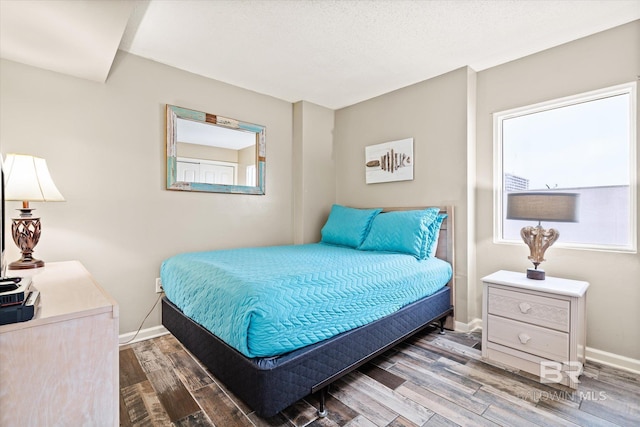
271,300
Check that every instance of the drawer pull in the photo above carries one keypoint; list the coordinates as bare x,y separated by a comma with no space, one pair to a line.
524,338
524,307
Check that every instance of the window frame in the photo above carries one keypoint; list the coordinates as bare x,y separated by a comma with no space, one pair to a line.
498,166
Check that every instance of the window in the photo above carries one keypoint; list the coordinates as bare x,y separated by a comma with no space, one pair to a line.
583,144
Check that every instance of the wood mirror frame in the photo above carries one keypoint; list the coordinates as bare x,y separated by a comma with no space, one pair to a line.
174,114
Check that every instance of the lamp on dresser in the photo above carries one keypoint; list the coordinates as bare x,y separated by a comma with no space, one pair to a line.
541,206
27,179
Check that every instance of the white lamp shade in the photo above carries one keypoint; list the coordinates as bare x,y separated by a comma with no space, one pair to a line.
27,178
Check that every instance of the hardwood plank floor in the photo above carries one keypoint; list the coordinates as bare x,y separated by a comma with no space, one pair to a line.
429,380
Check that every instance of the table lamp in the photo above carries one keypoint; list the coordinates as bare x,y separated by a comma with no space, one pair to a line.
27,179
541,206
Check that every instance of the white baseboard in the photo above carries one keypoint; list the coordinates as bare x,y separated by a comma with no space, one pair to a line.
593,355
144,334
474,325
613,360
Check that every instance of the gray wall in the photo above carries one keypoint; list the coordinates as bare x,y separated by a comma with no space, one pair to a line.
105,147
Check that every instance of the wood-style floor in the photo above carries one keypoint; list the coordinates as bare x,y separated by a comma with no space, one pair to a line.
431,380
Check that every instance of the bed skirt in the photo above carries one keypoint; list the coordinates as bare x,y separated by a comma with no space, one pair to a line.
269,385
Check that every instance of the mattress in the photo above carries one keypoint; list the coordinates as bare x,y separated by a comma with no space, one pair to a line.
269,301
269,385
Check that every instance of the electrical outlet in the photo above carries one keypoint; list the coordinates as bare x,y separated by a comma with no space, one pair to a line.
158,285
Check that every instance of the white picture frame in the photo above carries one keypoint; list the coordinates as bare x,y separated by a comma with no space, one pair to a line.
390,161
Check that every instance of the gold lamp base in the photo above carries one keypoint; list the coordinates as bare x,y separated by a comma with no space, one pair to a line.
538,239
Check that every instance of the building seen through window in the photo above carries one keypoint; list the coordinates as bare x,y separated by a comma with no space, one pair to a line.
584,144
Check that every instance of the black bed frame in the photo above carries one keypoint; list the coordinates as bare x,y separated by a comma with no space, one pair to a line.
269,385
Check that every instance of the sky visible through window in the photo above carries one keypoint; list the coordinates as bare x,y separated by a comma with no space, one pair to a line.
579,145
583,145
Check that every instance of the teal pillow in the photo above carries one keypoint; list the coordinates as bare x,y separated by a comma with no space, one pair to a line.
401,232
433,233
348,226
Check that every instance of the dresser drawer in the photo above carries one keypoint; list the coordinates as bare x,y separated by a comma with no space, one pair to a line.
547,343
534,309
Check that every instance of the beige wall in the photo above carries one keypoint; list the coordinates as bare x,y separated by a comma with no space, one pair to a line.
435,114
314,173
105,147
595,62
246,157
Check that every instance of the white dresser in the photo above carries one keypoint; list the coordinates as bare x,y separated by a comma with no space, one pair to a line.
538,326
61,367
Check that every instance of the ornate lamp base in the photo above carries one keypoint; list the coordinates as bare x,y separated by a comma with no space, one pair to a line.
538,239
26,234
25,263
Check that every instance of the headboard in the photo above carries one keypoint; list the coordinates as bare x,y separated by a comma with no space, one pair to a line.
445,249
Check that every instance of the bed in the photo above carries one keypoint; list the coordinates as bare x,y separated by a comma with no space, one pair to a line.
271,370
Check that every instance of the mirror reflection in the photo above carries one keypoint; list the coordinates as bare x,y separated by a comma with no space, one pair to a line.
212,153
215,155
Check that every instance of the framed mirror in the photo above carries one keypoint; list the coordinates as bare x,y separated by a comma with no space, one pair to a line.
214,154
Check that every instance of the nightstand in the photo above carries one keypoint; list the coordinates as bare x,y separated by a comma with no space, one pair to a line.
61,367
538,326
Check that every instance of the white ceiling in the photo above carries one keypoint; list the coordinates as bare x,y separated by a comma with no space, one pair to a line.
78,38
332,53
199,133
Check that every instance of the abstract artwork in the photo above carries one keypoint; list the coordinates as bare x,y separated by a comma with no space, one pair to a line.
389,161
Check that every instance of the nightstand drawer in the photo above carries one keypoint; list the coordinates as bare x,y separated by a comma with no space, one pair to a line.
534,309
532,339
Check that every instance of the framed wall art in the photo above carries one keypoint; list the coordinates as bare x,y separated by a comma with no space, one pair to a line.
389,161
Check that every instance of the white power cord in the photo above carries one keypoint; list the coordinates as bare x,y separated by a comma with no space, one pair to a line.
144,320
